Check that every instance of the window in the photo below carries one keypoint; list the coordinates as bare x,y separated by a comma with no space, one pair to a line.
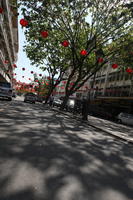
6,85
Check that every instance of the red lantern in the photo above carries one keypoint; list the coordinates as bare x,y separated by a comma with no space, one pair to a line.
1,10
15,66
23,22
6,61
83,52
71,83
65,43
31,72
44,34
40,74
114,66
129,70
100,60
23,69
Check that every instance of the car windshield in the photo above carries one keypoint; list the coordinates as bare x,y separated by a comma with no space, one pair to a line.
6,85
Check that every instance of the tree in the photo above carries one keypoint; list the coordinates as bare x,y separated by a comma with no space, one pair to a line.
87,25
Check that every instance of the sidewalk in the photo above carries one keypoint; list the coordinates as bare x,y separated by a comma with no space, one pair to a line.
118,130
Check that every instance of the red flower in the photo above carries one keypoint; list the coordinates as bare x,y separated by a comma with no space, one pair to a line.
100,60
23,69
65,43
40,74
1,10
114,66
83,52
23,22
44,34
31,72
129,70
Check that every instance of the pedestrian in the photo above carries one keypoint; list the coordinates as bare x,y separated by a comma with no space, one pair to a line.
85,107
51,99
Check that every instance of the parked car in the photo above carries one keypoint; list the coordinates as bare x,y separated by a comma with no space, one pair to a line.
125,118
6,90
57,102
39,99
30,97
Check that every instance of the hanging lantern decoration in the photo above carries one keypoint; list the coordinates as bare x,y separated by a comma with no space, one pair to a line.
29,79
6,62
71,83
40,74
44,34
83,52
100,60
31,72
23,68
14,65
114,66
65,43
1,10
129,70
23,22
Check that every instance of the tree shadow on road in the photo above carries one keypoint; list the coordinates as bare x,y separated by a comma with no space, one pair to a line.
45,155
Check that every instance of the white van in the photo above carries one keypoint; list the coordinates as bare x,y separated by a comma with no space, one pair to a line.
6,90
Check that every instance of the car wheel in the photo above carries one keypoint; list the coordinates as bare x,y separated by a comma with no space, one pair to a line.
9,99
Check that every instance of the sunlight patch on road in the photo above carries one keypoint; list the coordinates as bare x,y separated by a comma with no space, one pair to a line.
24,176
109,194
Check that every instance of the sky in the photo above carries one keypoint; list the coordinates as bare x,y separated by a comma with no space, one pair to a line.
23,61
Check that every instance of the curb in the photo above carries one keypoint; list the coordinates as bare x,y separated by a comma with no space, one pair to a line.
101,129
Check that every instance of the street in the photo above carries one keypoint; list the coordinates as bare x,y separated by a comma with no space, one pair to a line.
46,155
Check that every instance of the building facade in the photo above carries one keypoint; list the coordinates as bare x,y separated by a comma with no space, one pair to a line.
8,39
112,82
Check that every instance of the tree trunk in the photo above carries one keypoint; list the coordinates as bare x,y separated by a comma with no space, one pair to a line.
48,96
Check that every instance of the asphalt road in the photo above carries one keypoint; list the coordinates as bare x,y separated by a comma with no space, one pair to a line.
45,155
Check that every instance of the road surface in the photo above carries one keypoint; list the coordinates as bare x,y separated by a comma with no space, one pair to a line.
45,155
